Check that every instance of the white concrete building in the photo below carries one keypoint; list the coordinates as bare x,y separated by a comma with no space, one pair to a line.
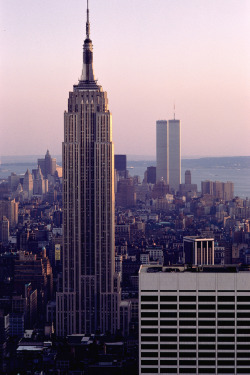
194,321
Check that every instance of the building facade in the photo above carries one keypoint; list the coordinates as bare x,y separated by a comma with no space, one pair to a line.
162,171
194,321
89,298
168,153
47,165
198,250
174,154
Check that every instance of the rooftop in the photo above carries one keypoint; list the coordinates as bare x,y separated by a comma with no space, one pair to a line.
231,268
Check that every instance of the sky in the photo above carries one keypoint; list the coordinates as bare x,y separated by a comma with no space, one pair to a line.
149,55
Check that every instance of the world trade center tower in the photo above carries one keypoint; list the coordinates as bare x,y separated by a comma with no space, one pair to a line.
90,293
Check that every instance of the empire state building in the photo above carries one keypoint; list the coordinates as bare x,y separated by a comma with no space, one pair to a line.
89,299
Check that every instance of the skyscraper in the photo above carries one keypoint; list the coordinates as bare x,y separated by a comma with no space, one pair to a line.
162,170
89,298
168,153
174,154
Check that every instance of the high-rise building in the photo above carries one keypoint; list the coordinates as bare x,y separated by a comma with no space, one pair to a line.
194,321
221,190
151,175
121,165
28,185
174,154
89,300
47,165
188,187
168,153
187,177
162,170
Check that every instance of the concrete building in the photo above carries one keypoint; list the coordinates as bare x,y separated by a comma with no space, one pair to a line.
188,180
174,154
162,138
121,165
188,187
168,153
194,321
28,185
4,230
89,300
47,165
220,190
126,194
9,208
40,184
198,250
151,175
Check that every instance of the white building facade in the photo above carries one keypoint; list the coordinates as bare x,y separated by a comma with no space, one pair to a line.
194,322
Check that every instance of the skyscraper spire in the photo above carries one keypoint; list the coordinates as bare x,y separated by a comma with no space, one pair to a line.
89,300
87,75
87,23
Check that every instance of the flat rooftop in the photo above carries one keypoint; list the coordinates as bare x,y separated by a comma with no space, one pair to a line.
186,268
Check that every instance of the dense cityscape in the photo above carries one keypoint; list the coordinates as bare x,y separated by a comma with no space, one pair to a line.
102,272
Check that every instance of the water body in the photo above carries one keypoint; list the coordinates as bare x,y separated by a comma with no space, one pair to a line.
234,169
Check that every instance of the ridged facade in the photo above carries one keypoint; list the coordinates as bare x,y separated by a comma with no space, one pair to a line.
90,292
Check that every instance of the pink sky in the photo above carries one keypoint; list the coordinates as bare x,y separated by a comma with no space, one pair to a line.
148,55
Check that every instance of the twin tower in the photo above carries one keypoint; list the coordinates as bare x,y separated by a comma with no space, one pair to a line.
168,153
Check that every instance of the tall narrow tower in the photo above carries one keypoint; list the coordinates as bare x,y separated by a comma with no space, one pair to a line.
162,154
174,154
89,298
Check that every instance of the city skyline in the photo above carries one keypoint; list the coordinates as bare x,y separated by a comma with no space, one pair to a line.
156,55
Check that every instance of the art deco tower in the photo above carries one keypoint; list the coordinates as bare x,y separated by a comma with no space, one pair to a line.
90,293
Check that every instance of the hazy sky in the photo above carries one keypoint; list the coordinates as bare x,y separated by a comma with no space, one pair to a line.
148,55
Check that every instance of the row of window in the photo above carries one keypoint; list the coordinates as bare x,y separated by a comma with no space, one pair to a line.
209,354
192,331
172,362
194,323
148,370
188,314
209,339
194,298
200,347
146,306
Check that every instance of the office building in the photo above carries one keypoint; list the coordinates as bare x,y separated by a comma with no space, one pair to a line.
188,187
9,208
121,165
4,230
47,165
194,321
151,175
28,185
168,153
187,177
162,155
218,189
198,250
89,300
174,154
